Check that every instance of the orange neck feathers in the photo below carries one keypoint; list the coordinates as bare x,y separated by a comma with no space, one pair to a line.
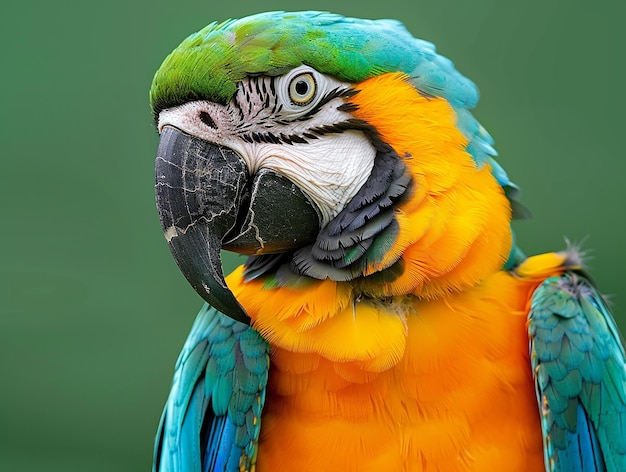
455,228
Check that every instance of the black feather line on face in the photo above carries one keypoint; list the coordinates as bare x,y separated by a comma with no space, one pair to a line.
270,100
314,133
335,93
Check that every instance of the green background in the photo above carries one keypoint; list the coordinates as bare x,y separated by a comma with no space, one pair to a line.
93,310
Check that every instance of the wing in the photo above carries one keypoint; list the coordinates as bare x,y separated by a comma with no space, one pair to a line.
580,377
211,420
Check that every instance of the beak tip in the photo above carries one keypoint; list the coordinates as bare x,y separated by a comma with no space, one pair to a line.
225,303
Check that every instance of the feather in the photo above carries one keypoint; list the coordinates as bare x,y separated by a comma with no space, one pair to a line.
219,381
580,375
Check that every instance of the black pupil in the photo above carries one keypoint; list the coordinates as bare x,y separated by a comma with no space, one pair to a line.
302,87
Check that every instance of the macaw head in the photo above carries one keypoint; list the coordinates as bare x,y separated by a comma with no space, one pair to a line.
325,147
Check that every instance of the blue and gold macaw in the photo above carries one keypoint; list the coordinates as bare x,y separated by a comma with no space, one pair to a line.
385,318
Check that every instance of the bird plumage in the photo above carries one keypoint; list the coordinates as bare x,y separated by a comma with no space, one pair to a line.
398,326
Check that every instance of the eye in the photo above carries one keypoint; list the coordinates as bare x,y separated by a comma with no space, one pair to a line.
302,89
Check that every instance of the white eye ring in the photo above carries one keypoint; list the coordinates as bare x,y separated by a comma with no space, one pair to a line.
302,89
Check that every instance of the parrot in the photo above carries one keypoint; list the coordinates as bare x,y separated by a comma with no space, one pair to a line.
385,318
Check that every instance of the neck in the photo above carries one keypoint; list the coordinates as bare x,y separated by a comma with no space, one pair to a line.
455,227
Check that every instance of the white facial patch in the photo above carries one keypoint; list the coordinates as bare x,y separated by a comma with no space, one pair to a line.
330,170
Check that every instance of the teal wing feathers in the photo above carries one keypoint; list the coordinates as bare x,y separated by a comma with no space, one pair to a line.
212,418
578,360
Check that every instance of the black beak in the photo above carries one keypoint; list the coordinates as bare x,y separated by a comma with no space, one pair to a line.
208,201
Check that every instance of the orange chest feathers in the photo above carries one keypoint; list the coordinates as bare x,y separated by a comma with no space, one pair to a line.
439,385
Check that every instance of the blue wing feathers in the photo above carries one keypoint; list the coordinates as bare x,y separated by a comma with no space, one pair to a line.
580,376
211,420
220,453
583,448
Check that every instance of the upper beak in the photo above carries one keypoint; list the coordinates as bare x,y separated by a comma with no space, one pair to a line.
207,201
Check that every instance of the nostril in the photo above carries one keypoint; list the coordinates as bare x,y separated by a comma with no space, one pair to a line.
207,120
